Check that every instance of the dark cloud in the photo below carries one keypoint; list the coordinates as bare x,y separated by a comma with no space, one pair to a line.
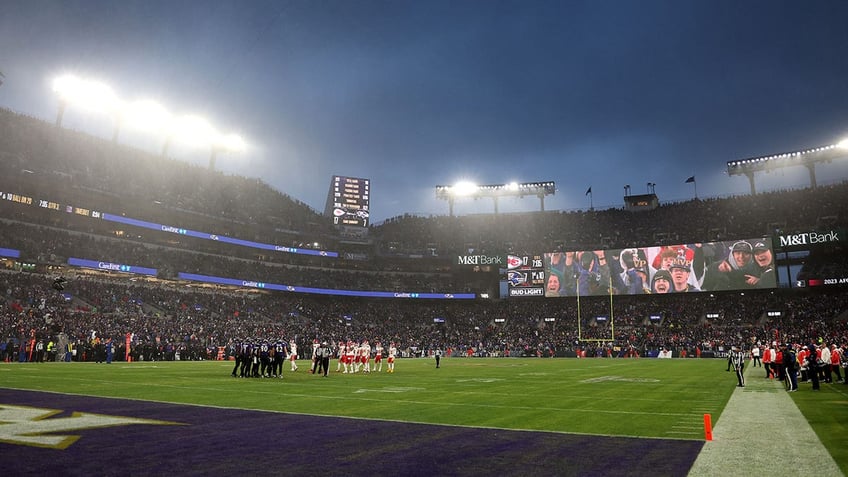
414,94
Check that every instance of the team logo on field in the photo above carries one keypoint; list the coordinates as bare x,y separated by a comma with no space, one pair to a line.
30,426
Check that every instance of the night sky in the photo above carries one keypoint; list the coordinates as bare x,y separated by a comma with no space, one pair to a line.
412,94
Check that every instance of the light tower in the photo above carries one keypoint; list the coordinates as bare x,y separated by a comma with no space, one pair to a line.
88,94
495,191
807,158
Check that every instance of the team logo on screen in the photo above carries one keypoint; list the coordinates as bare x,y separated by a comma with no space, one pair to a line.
516,278
514,262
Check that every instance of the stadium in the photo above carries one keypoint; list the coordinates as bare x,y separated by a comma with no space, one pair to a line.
346,237
169,266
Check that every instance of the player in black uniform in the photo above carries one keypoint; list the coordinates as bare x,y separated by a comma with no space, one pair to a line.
279,358
235,348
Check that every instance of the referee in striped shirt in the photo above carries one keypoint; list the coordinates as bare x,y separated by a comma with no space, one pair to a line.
737,357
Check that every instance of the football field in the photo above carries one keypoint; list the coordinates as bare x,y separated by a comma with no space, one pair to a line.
661,402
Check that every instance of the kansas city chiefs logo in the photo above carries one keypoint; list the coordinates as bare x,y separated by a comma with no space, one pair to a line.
513,262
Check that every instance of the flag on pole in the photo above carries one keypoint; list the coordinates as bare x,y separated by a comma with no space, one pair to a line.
691,179
588,191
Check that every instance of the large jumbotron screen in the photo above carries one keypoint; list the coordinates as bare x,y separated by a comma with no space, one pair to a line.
711,266
349,201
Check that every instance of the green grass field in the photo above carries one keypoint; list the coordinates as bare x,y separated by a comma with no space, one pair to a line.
648,398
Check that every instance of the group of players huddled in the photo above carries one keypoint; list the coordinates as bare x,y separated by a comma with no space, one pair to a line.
256,358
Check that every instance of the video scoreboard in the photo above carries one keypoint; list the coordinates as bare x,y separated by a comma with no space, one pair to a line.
525,275
348,201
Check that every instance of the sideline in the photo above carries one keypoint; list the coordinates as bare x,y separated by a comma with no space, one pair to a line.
761,430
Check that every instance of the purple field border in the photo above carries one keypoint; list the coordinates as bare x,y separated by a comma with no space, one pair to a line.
216,441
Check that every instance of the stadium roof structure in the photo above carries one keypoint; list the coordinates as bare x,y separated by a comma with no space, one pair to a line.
807,158
495,191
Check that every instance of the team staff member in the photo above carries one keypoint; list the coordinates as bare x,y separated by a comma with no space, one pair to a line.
790,365
836,361
738,358
802,361
812,366
824,366
767,358
438,355
755,356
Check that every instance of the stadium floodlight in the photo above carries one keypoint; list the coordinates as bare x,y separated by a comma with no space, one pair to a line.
495,191
228,143
807,158
193,130
189,129
464,188
231,143
87,94
147,115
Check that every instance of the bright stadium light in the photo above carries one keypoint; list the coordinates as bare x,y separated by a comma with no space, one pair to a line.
228,143
463,188
193,130
87,94
147,115
231,143
843,144
495,191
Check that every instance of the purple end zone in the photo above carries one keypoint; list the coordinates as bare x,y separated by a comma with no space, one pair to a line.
222,441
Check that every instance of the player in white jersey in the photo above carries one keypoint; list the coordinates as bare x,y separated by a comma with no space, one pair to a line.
378,357
293,355
350,357
315,345
391,358
365,352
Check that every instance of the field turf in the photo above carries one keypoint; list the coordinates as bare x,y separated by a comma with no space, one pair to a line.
594,405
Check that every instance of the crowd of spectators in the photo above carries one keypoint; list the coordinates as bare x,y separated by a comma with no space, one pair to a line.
167,317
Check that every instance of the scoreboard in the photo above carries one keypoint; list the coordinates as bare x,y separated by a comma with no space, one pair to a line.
348,201
525,275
